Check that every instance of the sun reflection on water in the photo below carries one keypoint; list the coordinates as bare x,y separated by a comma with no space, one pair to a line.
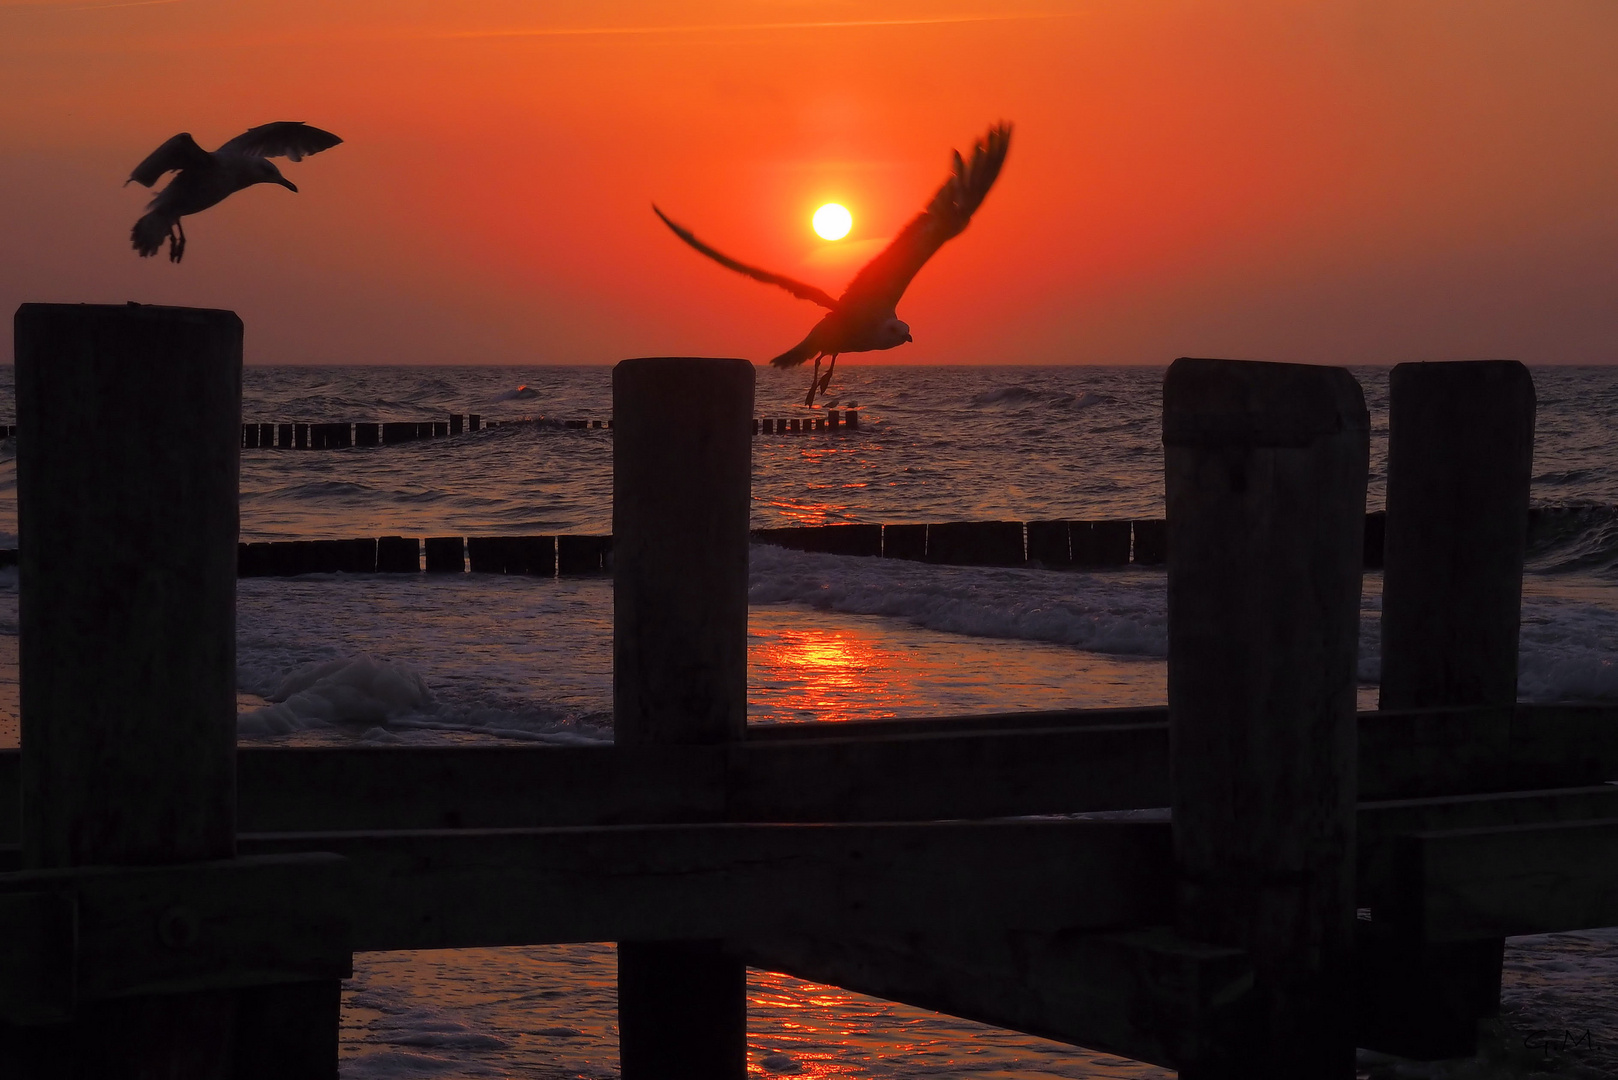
806,665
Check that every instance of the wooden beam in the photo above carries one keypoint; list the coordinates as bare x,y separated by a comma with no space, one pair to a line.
1381,824
469,888
97,933
1466,884
957,768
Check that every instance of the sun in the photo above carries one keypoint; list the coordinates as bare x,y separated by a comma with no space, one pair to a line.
832,222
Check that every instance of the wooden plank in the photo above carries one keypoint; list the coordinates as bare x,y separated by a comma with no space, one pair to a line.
1442,751
170,929
947,776
1464,884
37,965
1380,824
173,929
297,789
1144,994
470,888
958,767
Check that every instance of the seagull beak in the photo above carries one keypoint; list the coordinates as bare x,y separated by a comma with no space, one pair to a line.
909,338
288,184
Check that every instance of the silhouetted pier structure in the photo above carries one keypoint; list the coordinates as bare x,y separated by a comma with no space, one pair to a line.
167,897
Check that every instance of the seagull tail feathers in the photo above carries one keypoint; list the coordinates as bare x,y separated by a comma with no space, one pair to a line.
149,233
796,355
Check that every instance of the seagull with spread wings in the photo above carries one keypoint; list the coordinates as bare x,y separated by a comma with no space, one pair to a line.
203,179
864,318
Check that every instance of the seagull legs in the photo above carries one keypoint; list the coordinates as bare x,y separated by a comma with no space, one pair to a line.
176,242
817,382
826,379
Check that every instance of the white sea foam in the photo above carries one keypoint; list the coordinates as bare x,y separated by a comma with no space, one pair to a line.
1120,613
350,690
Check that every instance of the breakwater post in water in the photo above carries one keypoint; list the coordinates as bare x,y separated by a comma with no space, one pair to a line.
154,951
1265,473
1460,460
681,495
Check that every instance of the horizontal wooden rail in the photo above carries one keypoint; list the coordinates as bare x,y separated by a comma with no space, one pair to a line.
95,933
906,770
437,889
1467,884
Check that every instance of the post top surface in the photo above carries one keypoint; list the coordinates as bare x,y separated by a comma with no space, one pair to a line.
670,363
1505,374
130,310
1254,403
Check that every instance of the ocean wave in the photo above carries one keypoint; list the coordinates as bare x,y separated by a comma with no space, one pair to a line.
1122,614
1027,397
380,700
1565,539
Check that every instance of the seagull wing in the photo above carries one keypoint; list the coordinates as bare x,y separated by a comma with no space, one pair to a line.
284,138
883,280
796,288
180,152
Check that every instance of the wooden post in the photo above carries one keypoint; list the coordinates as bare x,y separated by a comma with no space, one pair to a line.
127,548
1460,460
681,498
1265,469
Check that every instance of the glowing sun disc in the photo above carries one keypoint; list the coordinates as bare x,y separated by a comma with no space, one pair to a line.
832,222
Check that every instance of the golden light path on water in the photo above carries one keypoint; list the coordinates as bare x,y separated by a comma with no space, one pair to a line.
549,1011
808,665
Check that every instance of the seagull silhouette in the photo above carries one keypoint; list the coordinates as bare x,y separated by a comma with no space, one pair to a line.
864,318
203,179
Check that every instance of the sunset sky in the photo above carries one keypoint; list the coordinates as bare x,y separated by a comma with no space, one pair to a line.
1347,181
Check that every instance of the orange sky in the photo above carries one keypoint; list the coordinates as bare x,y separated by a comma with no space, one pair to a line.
1333,180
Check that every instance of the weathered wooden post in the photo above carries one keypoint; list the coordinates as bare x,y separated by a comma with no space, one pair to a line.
1265,469
681,497
1460,461
127,555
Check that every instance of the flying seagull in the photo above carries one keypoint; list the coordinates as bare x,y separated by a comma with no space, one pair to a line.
864,319
203,179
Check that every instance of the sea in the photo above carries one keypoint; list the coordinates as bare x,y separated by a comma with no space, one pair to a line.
337,659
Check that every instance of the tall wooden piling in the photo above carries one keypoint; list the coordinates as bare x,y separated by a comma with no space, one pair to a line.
1460,461
1265,469
1460,458
128,714
681,499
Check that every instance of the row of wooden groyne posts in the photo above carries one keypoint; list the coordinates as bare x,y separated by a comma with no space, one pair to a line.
1079,545
173,906
1044,544
297,435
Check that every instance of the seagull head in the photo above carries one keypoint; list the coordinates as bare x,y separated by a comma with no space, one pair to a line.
265,172
893,333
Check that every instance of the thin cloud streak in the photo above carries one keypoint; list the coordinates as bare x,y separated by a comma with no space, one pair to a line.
55,5
625,31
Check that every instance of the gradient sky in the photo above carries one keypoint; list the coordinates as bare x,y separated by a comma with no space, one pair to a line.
1347,181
